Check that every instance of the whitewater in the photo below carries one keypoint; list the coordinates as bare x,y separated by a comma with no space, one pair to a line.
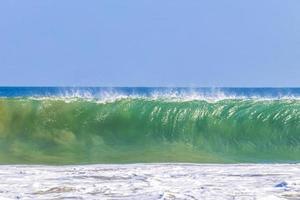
152,181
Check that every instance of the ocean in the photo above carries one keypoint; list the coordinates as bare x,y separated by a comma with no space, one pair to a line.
53,125
71,142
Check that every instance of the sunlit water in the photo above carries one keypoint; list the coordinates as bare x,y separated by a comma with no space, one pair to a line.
151,181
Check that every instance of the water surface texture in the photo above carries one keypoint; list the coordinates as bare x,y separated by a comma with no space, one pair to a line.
129,125
152,182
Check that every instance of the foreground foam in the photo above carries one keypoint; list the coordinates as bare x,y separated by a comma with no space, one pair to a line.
151,182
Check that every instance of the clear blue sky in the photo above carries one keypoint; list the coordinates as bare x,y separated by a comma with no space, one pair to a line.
150,43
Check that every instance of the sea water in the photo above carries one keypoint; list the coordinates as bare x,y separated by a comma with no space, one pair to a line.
51,137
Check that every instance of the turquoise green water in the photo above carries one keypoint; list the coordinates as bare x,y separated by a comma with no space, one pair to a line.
134,130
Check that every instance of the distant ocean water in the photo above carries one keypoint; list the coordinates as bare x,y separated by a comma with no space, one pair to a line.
56,125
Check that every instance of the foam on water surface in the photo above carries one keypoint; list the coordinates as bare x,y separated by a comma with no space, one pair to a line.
151,181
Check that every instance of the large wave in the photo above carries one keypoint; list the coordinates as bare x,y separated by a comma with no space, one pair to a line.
126,129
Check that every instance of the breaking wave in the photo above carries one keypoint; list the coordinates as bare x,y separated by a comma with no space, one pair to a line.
116,127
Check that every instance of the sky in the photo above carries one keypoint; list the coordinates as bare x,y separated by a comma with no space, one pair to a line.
197,43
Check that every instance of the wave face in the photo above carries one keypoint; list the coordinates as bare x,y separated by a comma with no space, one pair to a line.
148,128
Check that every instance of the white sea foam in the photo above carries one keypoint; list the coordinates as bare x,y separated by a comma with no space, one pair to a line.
151,181
111,95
